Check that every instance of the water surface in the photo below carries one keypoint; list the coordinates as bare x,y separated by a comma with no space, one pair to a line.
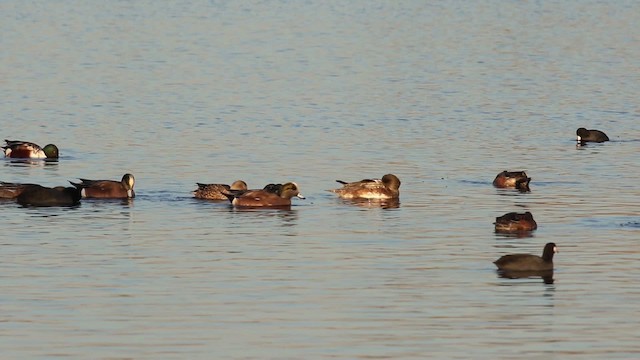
443,95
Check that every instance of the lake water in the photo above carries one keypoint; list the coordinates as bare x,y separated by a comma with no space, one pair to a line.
444,95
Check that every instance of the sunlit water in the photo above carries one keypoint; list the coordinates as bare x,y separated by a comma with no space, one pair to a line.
444,95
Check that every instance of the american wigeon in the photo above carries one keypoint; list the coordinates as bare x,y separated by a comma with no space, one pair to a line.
107,188
528,262
265,198
512,179
12,190
217,191
36,195
515,222
585,135
386,188
24,149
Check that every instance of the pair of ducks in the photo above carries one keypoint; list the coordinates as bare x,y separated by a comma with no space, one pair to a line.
25,149
38,195
388,187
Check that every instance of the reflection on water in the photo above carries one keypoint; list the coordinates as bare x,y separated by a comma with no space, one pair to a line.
546,276
372,203
13,162
286,214
514,234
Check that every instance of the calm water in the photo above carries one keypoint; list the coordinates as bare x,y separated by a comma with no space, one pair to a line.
443,95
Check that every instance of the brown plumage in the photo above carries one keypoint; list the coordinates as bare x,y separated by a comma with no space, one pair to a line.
218,191
514,222
265,198
25,149
386,188
512,179
107,189
12,190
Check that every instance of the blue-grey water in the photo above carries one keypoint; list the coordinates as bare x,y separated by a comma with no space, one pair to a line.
443,94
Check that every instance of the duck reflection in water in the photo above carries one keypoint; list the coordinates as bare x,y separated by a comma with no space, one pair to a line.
545,275
374,203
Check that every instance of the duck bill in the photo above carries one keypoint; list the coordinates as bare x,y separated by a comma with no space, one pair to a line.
300,196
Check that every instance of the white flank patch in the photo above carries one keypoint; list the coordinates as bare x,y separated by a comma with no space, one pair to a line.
374,195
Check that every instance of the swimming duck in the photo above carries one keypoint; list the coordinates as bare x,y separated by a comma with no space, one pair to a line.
107,188
24,149
12,190
512,179
528,262
265,198
217,191
381,189
515,222
585,135
37,195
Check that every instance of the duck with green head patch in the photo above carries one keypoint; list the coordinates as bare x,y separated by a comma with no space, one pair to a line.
25,149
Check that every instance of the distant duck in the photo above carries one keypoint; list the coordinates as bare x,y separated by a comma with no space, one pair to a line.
381,189
514,222
512,179
107,189
37,195
265,198
528,262
217,191
25,149
585,135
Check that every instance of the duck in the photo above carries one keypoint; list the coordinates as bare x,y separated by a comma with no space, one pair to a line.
528,262
12,190
217,191
109,189
388,187
515,222
512,179
25,149
585,135
266,198
37,195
